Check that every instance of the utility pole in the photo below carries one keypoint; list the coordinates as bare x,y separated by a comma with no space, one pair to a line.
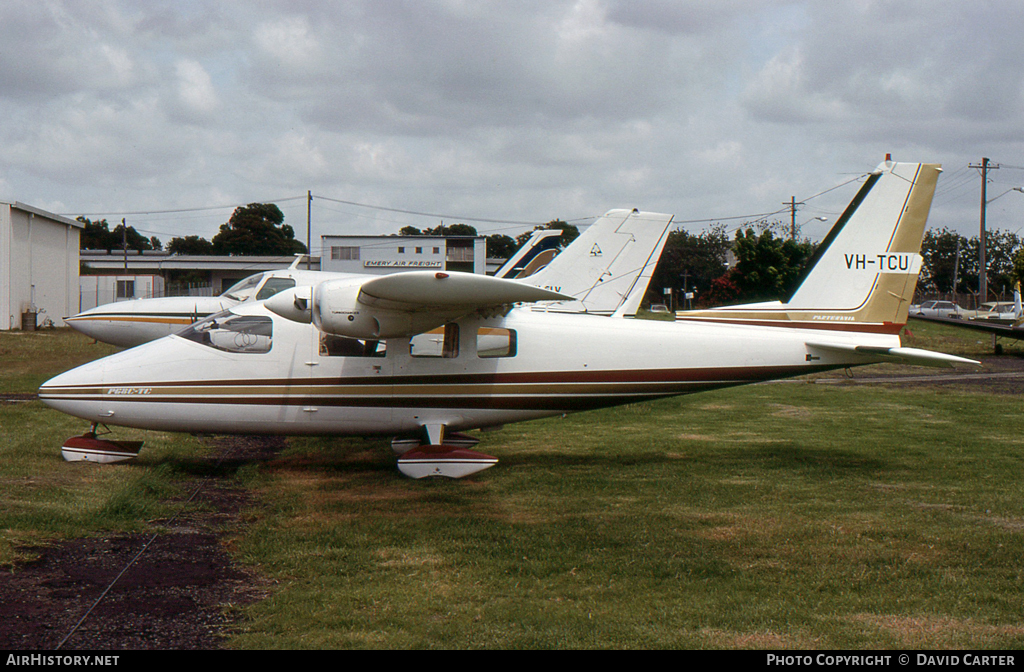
309,250
124,244
792,216
956,268
983,267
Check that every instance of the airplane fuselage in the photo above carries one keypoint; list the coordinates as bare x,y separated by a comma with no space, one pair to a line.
278,376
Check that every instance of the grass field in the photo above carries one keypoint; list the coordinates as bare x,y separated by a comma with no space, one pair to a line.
793,515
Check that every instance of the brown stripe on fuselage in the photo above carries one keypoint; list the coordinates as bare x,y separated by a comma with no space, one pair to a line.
568,391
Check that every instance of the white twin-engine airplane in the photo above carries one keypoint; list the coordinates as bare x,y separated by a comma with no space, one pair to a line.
425,356
605,269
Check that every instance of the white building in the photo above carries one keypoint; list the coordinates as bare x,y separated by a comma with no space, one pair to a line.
380,255
38,266
216,273
97,290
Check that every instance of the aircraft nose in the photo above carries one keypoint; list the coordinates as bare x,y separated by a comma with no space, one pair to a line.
71,391
84,323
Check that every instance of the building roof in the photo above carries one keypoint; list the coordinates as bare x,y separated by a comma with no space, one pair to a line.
155,261
39,212
399,237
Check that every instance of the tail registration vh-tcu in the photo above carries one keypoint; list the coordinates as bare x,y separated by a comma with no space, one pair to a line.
427,356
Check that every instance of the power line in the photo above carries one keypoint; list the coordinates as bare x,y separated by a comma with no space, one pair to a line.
165,212
432,214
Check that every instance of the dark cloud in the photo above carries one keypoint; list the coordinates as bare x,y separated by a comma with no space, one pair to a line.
523,110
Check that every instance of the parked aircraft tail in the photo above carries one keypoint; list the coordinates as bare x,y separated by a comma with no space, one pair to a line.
608,267
862,276
533,255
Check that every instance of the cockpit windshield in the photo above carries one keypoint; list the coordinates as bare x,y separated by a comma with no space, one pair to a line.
243,289
233,333
273,286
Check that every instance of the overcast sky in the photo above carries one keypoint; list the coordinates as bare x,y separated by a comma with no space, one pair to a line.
511,110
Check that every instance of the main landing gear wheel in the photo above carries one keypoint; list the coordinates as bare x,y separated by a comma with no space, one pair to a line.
89,448
450,459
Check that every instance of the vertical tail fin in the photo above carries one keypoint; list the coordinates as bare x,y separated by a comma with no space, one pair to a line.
541,247
866,269
607,268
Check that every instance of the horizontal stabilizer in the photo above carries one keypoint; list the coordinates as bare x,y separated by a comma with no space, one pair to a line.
896,355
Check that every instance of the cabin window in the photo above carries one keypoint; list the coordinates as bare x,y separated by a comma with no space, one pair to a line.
341,346
273,286
441,342
495,342
233,333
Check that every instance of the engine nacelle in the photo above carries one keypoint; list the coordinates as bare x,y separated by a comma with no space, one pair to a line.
337,310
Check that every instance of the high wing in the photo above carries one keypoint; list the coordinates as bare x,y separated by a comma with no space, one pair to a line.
402,304
1009,325
605,270
1015,330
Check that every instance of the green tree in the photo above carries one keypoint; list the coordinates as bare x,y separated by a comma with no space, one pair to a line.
256,229
690,262
98,236
500,246
450,230
768,268
439,230
941,262
945,255
1001,249
190,245
1018,267
569,233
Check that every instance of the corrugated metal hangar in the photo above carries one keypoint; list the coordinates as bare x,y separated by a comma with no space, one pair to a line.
38,266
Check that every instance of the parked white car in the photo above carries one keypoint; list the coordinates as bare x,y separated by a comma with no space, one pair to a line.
946,309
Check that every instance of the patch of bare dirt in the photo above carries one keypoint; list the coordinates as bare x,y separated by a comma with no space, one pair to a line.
182,592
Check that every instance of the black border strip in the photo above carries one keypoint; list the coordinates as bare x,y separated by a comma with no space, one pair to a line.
834,233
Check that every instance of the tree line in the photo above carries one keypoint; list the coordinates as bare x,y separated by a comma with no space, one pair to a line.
951,262
255,229
768,263
499,245
258,229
